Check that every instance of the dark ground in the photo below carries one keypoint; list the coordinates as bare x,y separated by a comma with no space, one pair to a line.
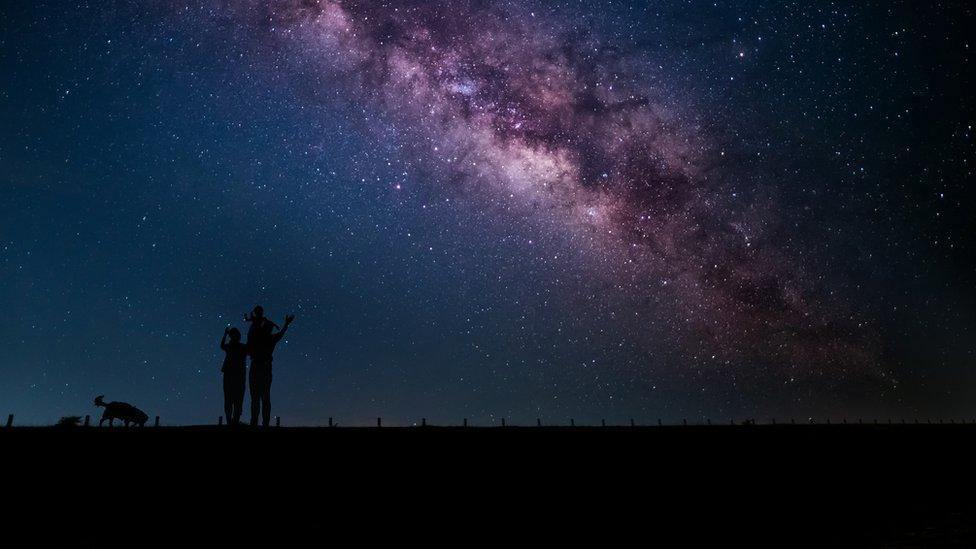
788,486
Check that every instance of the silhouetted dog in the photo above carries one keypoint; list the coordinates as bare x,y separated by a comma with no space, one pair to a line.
125,412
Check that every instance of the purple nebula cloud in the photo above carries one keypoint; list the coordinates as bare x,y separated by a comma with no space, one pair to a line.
533,115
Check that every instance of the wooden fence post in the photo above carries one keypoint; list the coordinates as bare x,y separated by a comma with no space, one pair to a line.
658,422
10,420
465,422
632,422
603,423
684,422
87,421
157,421
572,422
538,422
330,422
277,421
379,422
423,422
503,422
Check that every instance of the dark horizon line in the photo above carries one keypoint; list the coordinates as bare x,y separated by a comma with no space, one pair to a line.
504,423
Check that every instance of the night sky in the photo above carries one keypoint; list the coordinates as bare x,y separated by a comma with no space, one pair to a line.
488,209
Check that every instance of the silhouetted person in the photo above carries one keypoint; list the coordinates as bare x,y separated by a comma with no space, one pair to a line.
235,364
257,320
261,342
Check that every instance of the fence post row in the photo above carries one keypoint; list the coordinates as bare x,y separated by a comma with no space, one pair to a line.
633,423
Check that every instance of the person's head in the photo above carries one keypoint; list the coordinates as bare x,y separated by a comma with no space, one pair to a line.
258,312
234,334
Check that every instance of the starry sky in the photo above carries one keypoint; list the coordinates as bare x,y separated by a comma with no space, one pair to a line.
490,209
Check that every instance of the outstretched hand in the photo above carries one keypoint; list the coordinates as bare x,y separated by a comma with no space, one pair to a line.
289,319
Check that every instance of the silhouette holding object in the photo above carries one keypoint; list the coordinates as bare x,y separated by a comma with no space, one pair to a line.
122,411
261,342
235,365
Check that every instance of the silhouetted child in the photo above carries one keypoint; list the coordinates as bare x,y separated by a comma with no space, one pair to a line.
234,374
259,324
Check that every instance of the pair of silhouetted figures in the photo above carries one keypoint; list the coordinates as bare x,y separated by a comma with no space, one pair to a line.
261,341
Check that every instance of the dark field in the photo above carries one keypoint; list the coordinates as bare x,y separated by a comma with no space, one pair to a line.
802,485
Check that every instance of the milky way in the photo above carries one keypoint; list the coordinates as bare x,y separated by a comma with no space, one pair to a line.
531,114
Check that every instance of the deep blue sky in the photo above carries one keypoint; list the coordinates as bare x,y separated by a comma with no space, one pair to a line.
164,169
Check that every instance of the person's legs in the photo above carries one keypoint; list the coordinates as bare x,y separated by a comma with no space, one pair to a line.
266,397
238,399
255,396
228,400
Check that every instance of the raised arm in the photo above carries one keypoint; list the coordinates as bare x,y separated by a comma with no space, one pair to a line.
281,333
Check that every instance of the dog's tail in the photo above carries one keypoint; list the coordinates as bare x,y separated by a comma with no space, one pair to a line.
99,400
